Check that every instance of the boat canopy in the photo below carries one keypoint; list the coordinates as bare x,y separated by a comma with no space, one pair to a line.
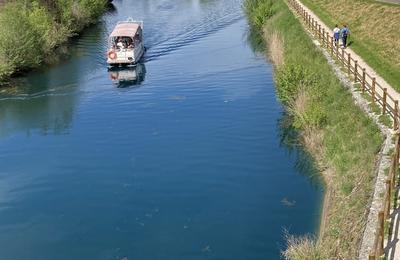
127,29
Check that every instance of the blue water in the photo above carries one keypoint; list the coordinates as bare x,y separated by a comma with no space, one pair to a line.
188,161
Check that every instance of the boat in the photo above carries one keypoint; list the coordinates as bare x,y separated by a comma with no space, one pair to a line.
125,43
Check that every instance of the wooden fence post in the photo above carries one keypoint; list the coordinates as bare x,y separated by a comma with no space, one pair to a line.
363,83
312,24
348,64
389,191
372,88
381,221
337,51
384,97
396,115
323,37
319,31
398,151
332,44
343,60
327,40
393,175
355,71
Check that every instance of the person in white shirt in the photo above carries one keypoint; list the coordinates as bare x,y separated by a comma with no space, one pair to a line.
120,44
336,34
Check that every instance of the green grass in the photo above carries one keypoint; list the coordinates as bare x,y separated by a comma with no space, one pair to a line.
350,140
386,120
38,27
375,108
376,43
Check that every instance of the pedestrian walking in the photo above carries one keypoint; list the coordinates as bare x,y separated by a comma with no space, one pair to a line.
345,33
336,34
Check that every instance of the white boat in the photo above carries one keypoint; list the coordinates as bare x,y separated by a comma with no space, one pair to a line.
125,43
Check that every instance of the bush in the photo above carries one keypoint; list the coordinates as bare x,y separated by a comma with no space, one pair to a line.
31,29
21,43
289,79
259,11
77,14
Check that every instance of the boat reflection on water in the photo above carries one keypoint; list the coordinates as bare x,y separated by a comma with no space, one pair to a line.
127,76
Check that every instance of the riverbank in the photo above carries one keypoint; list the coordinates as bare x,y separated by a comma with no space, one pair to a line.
343,140
374,31
30,31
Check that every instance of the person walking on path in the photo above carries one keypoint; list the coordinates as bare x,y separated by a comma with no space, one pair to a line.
345,33
336,34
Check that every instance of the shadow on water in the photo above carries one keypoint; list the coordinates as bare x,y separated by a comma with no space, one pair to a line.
289,138
111,8
124,77
255,40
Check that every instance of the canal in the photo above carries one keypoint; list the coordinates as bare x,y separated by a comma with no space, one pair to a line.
190,160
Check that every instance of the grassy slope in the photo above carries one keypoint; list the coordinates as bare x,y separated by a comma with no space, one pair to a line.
375,33
349,142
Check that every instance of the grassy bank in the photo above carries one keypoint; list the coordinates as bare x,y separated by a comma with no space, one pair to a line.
374,27
30,30
341,137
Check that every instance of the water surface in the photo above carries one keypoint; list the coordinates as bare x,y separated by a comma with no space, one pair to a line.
189,161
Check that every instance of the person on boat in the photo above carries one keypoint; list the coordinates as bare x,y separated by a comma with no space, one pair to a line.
120,44
336,34
345,33
130,43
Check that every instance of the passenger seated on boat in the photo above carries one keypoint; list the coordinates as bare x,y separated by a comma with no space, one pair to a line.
120,44
130,43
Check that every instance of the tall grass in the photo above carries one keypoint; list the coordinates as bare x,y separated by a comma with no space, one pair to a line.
340,136
30,30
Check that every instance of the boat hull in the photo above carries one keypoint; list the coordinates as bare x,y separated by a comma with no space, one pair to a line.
126,56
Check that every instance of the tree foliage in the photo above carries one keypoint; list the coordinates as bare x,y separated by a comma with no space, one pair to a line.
31,29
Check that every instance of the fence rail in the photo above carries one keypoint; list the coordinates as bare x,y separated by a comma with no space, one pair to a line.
368,83
379,96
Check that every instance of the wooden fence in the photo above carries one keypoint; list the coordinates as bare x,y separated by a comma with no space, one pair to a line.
380,96
384,214
368,84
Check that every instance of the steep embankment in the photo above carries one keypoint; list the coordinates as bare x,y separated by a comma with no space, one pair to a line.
30,30
342,138
374,31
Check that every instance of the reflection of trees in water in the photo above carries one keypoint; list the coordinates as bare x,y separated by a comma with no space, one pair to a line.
49,114
45,100
111,8
255,40
289,138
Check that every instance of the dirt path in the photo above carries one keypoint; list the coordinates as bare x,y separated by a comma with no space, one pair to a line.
392,249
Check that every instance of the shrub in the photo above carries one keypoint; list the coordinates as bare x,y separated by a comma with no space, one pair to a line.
289,79
259,11
31,29
21,43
